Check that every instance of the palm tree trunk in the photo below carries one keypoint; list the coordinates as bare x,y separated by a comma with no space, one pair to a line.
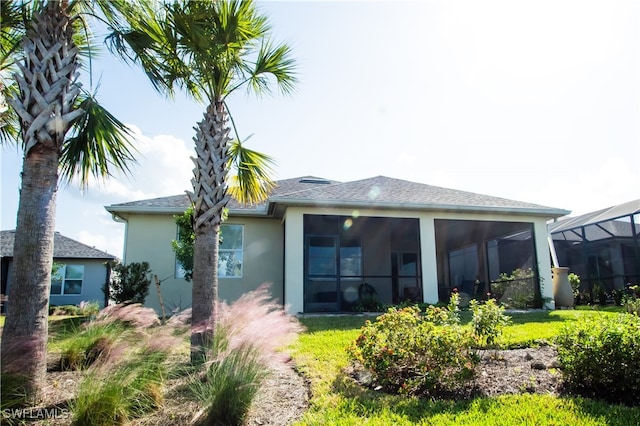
24,337
209,198
46,109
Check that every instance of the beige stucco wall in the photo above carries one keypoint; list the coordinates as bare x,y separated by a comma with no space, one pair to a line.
294,246
148,238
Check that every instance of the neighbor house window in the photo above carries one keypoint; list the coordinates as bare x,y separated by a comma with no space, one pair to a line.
230,253
67,279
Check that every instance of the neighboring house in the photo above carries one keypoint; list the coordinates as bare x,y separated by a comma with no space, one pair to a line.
81,275
317,241
602,247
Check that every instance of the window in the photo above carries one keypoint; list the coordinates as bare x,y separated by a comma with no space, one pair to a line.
230,253
67,279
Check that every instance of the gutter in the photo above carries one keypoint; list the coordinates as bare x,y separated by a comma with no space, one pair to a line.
545,212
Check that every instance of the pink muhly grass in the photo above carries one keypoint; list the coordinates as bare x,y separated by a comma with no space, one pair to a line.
258,321
134,314
163,340
181,319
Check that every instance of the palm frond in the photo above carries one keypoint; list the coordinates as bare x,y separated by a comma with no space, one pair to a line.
9,121
274,61
12,29
252,182
99,146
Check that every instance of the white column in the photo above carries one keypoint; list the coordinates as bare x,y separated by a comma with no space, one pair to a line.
541,234
429,261
294,261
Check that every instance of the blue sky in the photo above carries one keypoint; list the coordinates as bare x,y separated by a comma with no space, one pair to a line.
532,101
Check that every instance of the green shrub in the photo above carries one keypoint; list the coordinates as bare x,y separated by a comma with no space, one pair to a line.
601,357
444,315
409,353
518,289
630,301
129,283
488,321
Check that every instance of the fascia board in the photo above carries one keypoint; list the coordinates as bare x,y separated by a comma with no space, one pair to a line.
449,208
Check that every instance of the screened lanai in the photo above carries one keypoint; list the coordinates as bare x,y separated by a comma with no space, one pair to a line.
602,247
477,257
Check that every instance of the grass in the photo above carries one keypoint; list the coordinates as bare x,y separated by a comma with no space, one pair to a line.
321,356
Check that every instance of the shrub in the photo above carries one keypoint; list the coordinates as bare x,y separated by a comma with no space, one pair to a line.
518,289
129,283
574,281
601,357
488,321
408,353
444,315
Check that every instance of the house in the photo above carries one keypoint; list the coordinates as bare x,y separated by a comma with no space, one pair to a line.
80,276
323,243
602,247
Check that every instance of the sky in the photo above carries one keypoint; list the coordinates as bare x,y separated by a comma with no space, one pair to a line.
536,101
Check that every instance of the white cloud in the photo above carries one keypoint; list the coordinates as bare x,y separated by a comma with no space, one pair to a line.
163,167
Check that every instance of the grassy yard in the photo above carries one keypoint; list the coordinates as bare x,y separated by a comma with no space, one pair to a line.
336,399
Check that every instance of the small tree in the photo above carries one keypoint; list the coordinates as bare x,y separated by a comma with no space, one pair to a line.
183,246
129,283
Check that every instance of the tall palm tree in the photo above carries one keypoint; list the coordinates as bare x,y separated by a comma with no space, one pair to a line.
64,133
210,49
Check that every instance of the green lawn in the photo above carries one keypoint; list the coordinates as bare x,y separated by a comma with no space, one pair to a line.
336,399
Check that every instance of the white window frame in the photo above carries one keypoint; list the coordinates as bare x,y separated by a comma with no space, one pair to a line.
61,273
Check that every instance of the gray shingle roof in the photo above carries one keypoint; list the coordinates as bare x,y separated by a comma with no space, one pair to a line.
382,190
376,192
63,247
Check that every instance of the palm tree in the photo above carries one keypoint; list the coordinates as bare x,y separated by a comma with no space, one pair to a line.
64,133
210,49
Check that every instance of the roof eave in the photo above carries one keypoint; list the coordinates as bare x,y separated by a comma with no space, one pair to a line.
144,209
549,213
118,210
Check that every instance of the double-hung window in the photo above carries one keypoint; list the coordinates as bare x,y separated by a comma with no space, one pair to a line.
67,279
230,252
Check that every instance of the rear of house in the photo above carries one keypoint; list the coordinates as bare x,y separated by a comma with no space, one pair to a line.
328,246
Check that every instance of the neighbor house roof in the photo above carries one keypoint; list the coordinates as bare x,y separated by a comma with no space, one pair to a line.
63,247
376,192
